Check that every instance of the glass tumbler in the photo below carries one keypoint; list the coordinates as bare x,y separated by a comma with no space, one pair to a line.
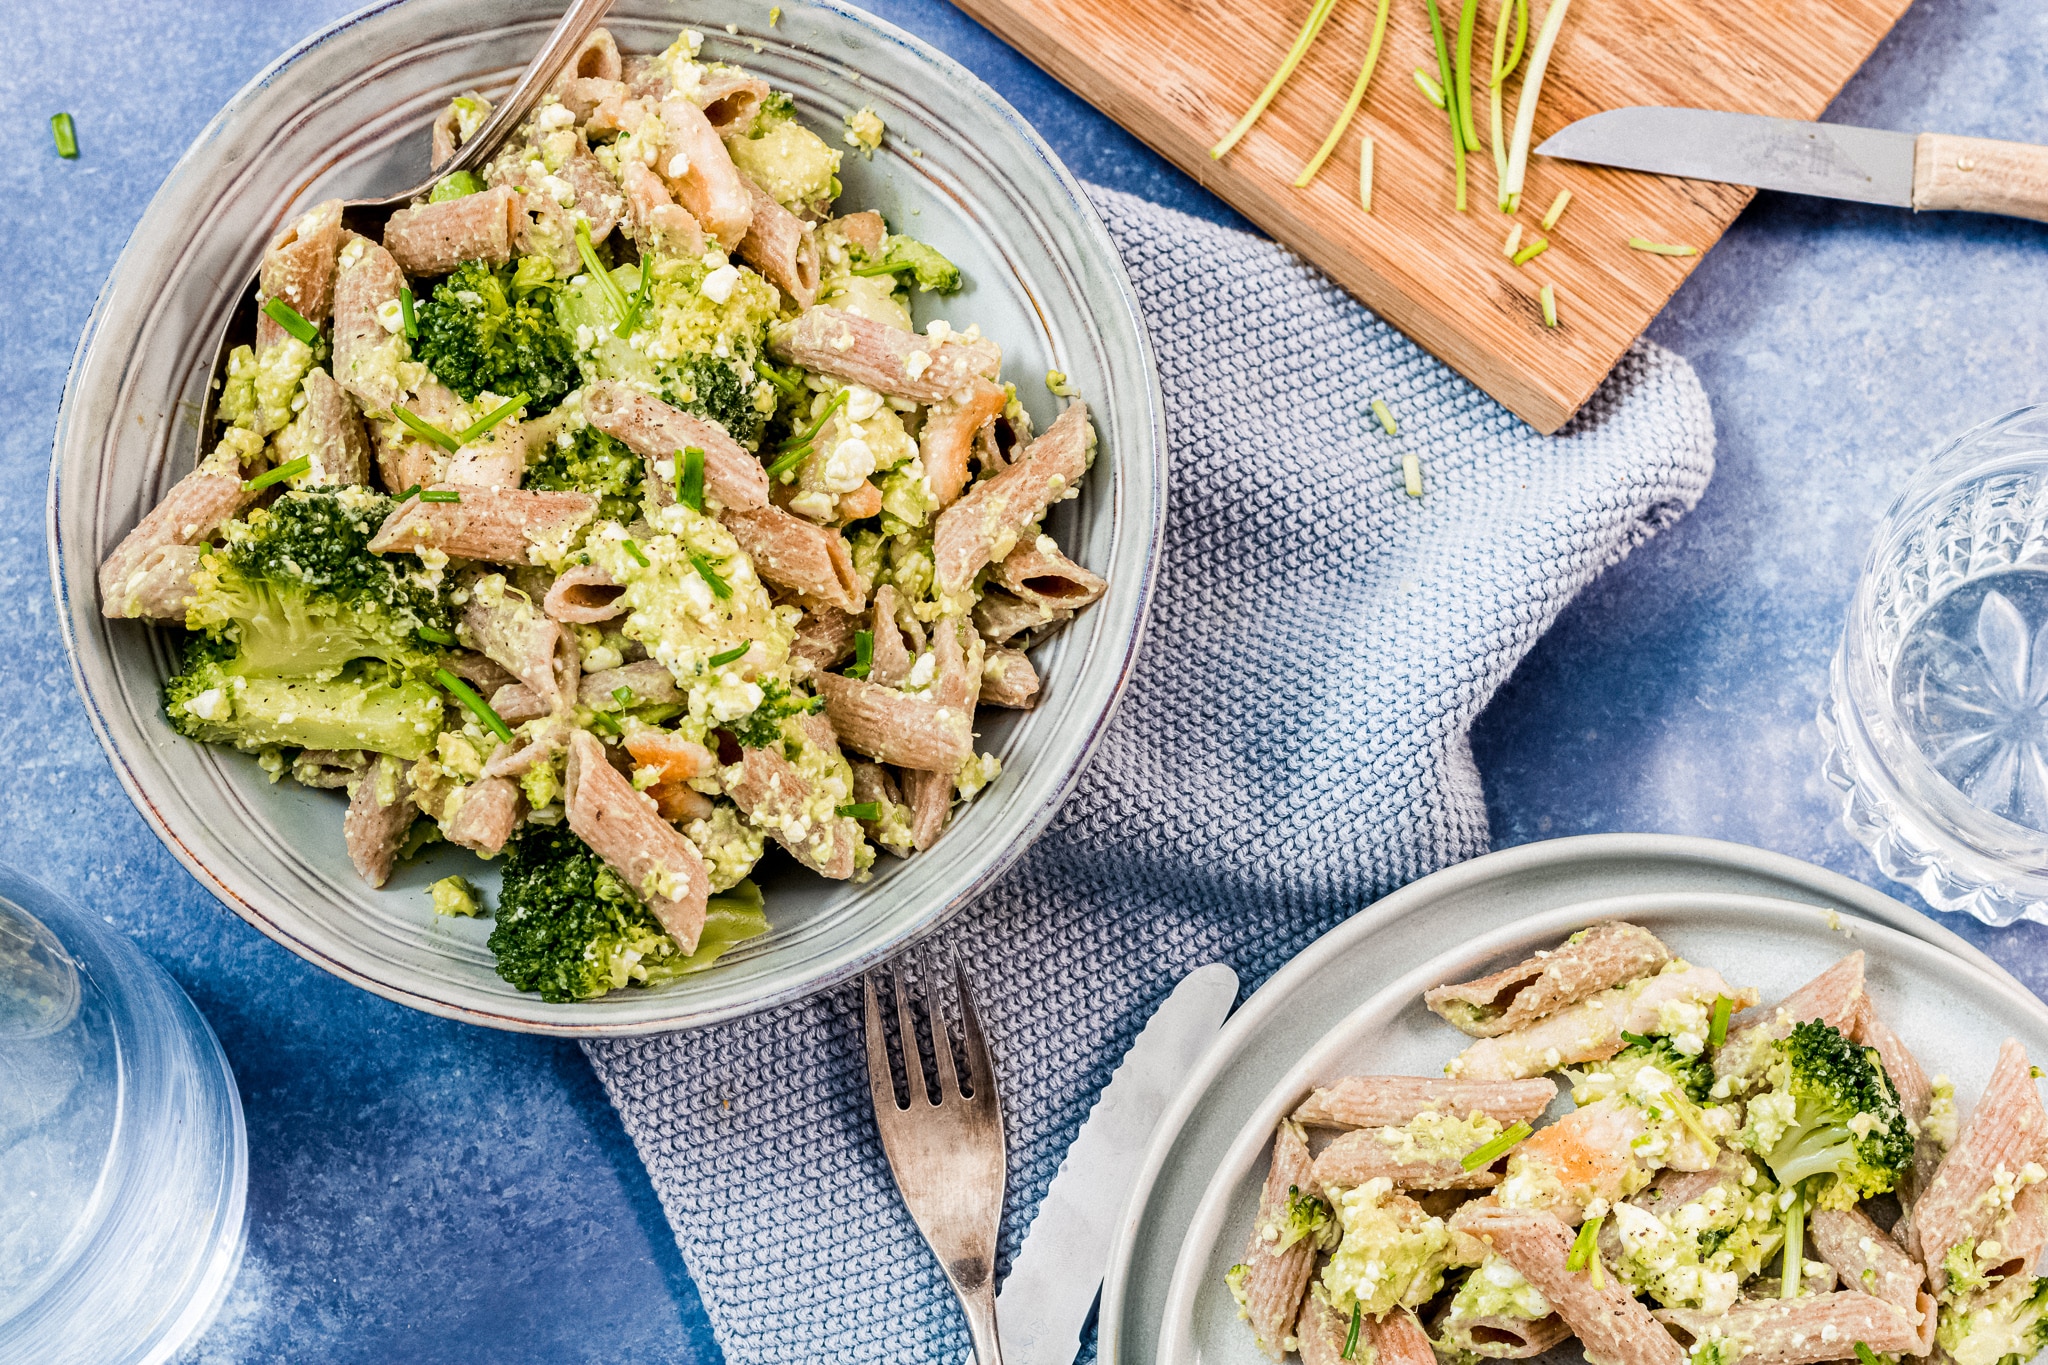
1936,717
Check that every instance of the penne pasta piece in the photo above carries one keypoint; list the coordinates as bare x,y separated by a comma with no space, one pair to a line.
1591,961
889,360
1275,1277
328,769
1001,618
873,784
1398,1339
626,830
404,460
807,558
159,588
1865,1258
892,727
862,503
432,239
655,431
508,629
447,133
329,432
478,671
1008,679
496,460
824,636
498,526
584,595
1390,1101
1363,1154
773,795
1834,997
1590,1031
484,816
700,175
780,246
600,201
1974,1190
1501,1336
544,742
650,683
299,266
597,102
380,813
890,663
946,439
1321,1331
597,59
197,506
657,223
1612,1326
865,230
1036,572
1801,1331
956,674
930,798
367,358
516,703
985,525
730,99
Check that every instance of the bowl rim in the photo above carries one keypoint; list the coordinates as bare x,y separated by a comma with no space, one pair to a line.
1119,656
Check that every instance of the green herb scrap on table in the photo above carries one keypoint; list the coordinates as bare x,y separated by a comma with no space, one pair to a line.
610,518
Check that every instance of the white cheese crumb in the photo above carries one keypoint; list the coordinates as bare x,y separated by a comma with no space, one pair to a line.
719,284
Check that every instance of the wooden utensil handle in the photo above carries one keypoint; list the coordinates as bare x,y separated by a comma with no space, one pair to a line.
1980,175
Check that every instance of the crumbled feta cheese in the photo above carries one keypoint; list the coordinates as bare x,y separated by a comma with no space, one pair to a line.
212,704
678,166
391,316
916,363
554,116
719,284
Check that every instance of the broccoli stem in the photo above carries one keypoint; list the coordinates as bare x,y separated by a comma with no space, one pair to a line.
1795,1243
401,720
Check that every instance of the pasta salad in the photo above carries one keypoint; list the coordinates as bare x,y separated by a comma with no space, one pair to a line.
1777,1186
609,517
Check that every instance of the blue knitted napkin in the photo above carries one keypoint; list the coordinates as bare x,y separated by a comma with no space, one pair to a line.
1293,745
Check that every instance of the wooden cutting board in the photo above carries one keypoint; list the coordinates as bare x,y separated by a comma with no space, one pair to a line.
1179,73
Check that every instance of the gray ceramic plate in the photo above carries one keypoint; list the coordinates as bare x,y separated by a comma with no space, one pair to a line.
347,112
1306,1000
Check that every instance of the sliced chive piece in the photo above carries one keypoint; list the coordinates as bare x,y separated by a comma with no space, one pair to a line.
1513,243
491,419
633,549
425,430
863,654
623,695
1351,1337
1461,73
690,478
66,134
1446,81
290,470
1489,1152
639,303
603,720
405,313
1637,1039
478,707
1547,296
1385,415
1372,60
790,384
1411,474
1661,248
733,655
861,810
1365,173
1525,109
1717,1028
1866,1356
1586,1246
608,286
411,492
1431,91
709,575
1556,209
798,442
440,495
1309,29
434,635
1532,251
287,317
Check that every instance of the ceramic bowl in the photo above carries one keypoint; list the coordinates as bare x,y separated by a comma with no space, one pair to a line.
346,112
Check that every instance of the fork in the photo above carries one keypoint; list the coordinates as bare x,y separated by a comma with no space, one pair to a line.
945,1150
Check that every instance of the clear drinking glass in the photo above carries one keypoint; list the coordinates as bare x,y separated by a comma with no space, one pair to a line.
1936,718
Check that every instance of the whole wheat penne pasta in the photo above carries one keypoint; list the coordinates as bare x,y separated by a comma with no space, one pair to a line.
600,201
1590,1031
930,798
1916,1095
1613,1327
1390,1101
730,100
1398,1339
985,525
496,460
516,703
197,506
799,555
329,432
159,587
1973,1190
700,174
1321,1332
1866,1258
299,266
544,742
483,819
485,675
597,59
946,439
380,812
1498,1337
773,794
1001,618
1591,961
446,137
508,629
655,431
892,727
583,595
1834,997
874,785
1801,1331
328,769
1363,1154
498,526
650,683
887,359
624,828
778,245
889,661
1037,572
432,239
404,460
1008,679
957,659
655,222
825,635
367,357
1276,1277
865,230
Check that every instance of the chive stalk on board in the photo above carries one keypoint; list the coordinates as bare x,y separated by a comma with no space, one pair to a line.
1365,70
1309,29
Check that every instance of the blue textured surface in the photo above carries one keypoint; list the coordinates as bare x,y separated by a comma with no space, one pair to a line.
426,1192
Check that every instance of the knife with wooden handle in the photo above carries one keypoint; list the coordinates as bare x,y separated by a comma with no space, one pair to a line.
1832,160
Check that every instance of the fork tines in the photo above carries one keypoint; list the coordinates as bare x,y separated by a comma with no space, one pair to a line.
972,1088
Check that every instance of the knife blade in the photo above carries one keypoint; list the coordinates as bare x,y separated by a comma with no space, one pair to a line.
1044,1303
1832,160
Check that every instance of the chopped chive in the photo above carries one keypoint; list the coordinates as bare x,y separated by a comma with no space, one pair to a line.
790,384
614,295
1447,83
690,478
1637,1039
1385,415
287,317
491,419
1532,251
1586,1246
1351,1337
440,495
1717,1028
1865,1355
1661,248
1556,209
639,303
66,134
602,720
1504,64
1532,90
1461,73
1411,474
290,470
1513,243
434,635
1547,296
411,492
425,430
1431,91
861,810
405,313
1488,1153
478,707
1309,29
633,549
863,654
1372,60
709,575
1365,173
623,695
797,442
788,462
733,655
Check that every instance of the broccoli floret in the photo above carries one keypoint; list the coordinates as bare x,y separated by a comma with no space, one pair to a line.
571,929
366,706
2009,1329
924,264
761,728
1694,1075
1305,1216
593,463
1965,1275
296,588
1831,1115
717,389
494,330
